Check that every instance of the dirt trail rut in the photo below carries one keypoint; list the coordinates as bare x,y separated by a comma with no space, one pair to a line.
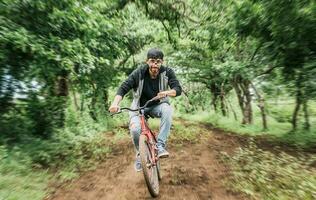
193,171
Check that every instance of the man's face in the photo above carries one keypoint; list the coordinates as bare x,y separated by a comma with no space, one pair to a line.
154,65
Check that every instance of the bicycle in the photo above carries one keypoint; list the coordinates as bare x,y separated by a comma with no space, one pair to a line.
148,150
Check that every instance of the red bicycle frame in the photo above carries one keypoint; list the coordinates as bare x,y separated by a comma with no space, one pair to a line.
151,137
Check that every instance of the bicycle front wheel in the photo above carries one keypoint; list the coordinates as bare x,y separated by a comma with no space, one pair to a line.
159,171
150,171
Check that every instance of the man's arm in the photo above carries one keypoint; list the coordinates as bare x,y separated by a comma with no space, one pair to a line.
126,86
115,104
173,83
129,83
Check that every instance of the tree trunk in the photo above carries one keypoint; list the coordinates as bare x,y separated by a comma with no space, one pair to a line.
61,94
231,107
75,100
247,109
239,96
62,85
296,110
106,98
306,116
214,99
82,103
263,114
223,106
244,98
92,108
74,97
93,103
261,107
214,92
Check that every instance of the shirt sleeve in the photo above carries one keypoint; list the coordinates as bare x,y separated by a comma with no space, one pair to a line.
173,82
129,83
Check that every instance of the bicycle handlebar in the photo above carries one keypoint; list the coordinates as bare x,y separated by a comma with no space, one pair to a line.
137,109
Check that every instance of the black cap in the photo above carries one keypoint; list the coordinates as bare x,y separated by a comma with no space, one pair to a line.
155,54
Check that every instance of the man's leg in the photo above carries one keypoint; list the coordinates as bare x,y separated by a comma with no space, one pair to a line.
164,111
135,130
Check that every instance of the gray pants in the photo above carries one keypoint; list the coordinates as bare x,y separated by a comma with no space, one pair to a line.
164,112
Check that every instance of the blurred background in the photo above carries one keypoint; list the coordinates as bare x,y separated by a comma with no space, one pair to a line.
245,66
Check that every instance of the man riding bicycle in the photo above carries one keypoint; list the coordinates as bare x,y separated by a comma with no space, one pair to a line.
150,80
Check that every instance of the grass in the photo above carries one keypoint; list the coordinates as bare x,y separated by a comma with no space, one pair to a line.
27,186
18,180
181,133
278,130
265,175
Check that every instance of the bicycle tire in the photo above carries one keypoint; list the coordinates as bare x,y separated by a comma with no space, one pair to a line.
159,171
150,172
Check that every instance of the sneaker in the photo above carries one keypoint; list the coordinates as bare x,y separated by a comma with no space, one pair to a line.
138,164
162,152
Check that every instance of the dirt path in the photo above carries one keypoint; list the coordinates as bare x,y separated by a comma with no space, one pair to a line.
193,171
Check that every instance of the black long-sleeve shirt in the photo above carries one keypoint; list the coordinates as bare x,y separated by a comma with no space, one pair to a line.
151,86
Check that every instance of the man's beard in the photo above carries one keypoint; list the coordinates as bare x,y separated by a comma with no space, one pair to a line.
154,71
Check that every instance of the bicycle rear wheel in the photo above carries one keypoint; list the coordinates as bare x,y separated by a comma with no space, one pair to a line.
150,172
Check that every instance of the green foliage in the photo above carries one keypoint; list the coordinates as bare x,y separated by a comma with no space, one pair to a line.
53,51
82,139
28,187
48,47
34,160
195,98
286,32
266,175
18,180
281,113
278,116
16,124
181,133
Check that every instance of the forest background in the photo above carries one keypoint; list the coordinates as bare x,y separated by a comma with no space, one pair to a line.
245,66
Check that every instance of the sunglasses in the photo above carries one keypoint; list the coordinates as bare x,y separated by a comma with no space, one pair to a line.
155,61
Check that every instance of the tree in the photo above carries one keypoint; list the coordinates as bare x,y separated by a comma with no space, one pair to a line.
52,42
286,30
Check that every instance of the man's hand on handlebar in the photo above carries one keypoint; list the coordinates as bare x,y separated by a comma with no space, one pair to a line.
171,93
114,109
162,94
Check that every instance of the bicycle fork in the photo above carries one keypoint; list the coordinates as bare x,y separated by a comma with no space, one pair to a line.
150,141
